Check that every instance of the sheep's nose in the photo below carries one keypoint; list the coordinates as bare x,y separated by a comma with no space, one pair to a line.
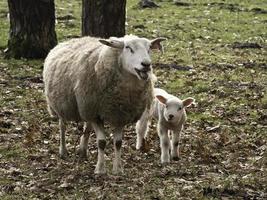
171,116
146,66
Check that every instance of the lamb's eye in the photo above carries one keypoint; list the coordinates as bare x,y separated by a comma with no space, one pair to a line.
179,108
131,50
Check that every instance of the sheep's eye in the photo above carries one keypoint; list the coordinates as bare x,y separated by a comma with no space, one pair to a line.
128,47
179,108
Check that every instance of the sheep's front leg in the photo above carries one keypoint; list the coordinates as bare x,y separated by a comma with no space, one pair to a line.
117,141
164,144
175,152
63,153
101,144
84,140
142,130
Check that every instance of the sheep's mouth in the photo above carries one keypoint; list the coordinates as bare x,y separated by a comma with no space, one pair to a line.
143,74
170,119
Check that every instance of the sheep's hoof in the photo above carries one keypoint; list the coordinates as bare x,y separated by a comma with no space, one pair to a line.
63,154
99,170
139,144
82,153
176,158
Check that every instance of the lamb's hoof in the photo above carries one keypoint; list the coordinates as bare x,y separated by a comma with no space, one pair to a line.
100,172
165,161
138,146
144,147
117,171
176,158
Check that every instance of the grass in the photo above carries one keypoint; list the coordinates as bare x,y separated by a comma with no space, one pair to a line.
229,85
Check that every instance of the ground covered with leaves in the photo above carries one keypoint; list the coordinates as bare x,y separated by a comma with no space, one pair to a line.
216,53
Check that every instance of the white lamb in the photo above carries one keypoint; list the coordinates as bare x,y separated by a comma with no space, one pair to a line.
96,81
171,115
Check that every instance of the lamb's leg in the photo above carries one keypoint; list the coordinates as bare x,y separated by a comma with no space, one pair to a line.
142,130
175,152
84,140
63,153
164,144
117,141
101,144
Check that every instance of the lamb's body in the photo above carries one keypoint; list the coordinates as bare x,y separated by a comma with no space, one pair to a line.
97,81
82,86
170,113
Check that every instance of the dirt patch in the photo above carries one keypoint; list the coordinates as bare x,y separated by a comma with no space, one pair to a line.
245,45
258,11
3,13
228,6
66,17
254,64
36,79
235,7
181,3
147,4
173,66
223,66
226,193
139,26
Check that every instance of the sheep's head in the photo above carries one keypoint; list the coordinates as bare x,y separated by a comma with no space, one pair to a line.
174,107
135,53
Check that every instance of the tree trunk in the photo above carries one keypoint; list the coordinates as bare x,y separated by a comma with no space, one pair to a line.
103,18
32,28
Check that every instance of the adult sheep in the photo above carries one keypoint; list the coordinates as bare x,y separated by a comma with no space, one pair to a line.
96,81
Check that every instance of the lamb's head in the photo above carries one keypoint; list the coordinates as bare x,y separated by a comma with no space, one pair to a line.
174,107
135,53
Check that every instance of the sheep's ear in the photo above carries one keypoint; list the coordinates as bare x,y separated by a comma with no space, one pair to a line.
113,42
188,101
161,99
155,44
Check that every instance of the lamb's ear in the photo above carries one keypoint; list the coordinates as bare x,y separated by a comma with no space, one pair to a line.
188,101
155,44
113,42
162,99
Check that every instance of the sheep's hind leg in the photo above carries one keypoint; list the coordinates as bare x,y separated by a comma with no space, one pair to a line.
117,141
84,140
101,144
63,153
